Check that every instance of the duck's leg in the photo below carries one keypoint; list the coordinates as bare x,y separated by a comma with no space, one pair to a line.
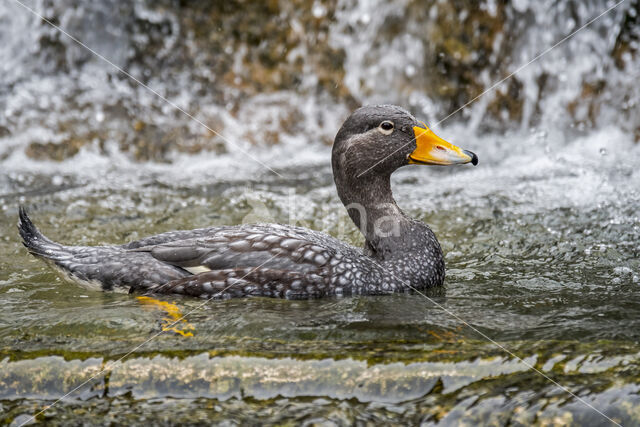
243,282
102,267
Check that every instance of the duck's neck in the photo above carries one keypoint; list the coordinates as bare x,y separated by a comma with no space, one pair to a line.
371,206
406,247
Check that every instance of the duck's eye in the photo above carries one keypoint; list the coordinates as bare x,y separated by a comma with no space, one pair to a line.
386,127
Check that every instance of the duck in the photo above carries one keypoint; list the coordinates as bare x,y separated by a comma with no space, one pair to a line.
400,254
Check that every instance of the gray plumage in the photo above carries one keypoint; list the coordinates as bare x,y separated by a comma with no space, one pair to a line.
275,260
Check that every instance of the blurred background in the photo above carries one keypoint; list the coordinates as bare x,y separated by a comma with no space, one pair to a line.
268,72
542,238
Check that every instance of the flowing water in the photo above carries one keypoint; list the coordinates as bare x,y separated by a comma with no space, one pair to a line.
542,238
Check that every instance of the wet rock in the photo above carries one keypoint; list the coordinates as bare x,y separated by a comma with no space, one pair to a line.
54,151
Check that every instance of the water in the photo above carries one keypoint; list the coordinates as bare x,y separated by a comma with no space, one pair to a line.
541,238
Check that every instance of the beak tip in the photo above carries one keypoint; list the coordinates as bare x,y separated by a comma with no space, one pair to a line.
474,157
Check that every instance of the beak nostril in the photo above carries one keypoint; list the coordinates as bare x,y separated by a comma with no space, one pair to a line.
441,148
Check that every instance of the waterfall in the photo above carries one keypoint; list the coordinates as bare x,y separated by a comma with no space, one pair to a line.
266,75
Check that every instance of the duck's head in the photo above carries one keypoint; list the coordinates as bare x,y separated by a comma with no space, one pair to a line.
376,140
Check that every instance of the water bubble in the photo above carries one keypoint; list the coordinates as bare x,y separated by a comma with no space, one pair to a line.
318,10
622,271
57,180
410,70
520,5
99,116
603,151
433,12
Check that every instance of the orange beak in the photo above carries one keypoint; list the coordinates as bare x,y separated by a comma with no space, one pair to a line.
433,150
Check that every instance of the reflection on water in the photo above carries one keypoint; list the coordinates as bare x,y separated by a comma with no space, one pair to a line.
541,239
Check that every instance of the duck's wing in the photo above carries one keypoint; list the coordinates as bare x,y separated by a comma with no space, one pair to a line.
238,231
258,260
275,250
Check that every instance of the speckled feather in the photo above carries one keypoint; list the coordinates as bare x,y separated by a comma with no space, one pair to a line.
275,260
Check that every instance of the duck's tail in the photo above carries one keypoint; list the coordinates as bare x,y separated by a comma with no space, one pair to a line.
105,267
36,242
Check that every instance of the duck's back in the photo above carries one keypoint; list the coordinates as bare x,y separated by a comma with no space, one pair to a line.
258,259
218,262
